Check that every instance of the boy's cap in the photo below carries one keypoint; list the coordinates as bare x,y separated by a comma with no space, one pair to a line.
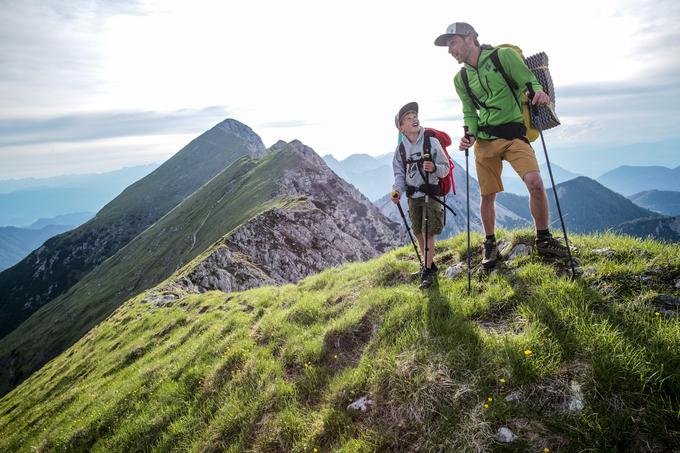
410,107
456,28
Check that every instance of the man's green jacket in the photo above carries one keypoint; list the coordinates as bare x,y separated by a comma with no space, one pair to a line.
491,89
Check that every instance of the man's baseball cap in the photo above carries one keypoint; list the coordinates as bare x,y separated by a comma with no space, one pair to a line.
410,107
456,28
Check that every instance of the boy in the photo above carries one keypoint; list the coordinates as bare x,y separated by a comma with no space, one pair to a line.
417,174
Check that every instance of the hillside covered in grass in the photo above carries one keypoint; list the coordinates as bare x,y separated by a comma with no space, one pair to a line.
567,365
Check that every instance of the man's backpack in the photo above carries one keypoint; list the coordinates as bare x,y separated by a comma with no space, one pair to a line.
542,118
446,184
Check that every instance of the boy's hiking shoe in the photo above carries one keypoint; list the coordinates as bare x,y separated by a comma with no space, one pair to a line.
490,254
551,247
429,277
419,274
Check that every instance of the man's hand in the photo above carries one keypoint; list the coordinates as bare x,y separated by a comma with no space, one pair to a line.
428,166
466,142
540,99
395,197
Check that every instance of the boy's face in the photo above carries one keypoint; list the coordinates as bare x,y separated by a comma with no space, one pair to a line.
409,123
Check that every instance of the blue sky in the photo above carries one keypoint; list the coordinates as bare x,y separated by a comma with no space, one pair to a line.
89,86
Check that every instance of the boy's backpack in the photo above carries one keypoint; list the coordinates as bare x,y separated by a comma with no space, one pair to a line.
446,184
540,118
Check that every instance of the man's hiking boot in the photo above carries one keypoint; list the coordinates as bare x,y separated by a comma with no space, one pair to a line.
490,254
429,277
551,247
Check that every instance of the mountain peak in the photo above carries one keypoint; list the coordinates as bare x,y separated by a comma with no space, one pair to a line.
306,154
232,127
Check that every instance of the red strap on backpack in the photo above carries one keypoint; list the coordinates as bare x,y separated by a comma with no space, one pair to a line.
447,183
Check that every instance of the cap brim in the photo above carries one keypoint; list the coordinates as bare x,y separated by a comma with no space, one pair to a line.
443,39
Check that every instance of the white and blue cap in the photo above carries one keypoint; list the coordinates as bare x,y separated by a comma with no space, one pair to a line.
456,28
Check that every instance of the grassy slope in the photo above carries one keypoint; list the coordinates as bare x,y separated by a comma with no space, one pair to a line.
209,213
273,369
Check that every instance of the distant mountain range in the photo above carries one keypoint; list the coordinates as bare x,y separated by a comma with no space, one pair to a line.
74,219
594,161
372,176
23,201
629,180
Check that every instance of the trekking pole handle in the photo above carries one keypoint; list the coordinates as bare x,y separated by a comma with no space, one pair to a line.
468,135
531,91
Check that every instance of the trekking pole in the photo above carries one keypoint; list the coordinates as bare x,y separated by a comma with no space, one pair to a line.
552,181
467,196
432,197
403,217
426,157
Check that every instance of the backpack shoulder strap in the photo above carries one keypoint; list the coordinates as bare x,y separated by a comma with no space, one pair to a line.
495,59
427,145
402,153
464,76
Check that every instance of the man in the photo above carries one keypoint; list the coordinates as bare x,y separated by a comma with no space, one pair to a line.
411,176
493,116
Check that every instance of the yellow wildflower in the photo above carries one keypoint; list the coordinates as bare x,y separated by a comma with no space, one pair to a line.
528,352
486,406
502,381
490,399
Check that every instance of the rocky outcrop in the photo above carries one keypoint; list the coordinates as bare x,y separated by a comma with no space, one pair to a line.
351,210
279,246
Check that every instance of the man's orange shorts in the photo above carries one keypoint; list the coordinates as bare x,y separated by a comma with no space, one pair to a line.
489,157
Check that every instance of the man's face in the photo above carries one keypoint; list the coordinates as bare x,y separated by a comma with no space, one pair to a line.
458,48
409,123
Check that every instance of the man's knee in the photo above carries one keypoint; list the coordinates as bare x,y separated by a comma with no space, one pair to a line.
489,199
534,183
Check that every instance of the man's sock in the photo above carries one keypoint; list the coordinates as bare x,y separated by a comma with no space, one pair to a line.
490,238
542,234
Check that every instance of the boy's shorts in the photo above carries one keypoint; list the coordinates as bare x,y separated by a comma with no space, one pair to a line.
489,156
435,213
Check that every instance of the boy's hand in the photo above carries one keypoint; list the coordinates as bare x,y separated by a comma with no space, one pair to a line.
428,166
395,197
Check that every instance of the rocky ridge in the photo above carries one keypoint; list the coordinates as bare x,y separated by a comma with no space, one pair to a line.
330,224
